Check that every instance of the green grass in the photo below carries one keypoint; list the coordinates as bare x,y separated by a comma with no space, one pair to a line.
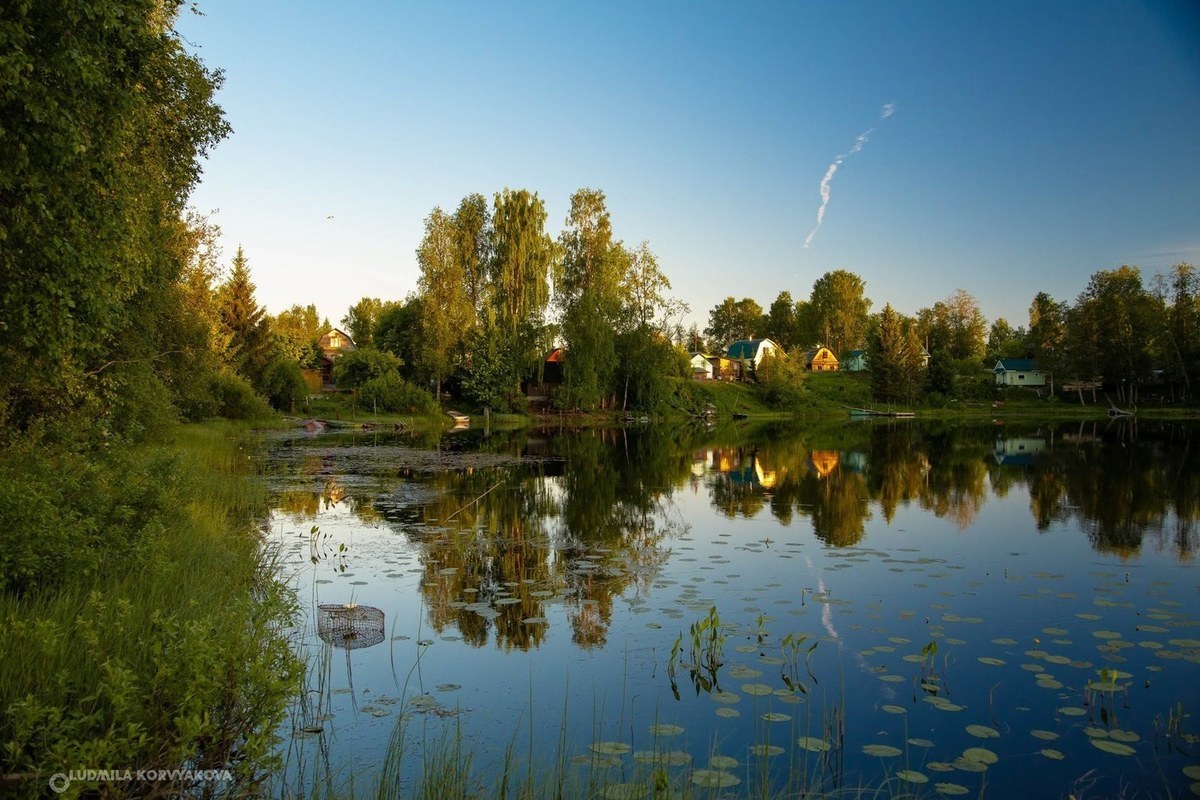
169,654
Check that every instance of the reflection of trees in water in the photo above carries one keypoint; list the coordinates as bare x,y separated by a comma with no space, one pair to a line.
584,534
1121,485
1118,483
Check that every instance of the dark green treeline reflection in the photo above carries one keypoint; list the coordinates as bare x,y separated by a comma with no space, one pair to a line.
589,514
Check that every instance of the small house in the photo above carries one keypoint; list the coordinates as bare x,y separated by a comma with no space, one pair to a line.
751,352
820,359
333,344
702,367
725,369
1018,372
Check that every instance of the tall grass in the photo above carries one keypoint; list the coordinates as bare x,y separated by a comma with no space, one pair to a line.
169,653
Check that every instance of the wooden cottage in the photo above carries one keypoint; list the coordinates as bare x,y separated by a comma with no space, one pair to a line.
820,359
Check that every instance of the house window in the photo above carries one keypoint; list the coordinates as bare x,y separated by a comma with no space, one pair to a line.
1020,377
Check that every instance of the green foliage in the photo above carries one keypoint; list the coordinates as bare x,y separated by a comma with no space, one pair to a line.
284,384
120,569
245,323
781,380
297,332
391,393
105,116
732,320
361,319
839,310
356,367
234,398
448,311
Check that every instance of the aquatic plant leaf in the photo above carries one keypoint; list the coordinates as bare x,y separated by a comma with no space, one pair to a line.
665,730
813,744
983,732
912,776
722,762
920,742
757,689
1072,711
1116,748
951,789
881,750
726,712
1123,736
714,778
610,748
895,709
994,662
1051,754
766,750
980,754
1048,736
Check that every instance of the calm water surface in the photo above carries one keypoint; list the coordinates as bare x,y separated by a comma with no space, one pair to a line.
940,608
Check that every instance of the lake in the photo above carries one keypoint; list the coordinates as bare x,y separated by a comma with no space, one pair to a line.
943,608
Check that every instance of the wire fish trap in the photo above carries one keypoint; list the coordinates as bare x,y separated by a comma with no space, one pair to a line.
349,625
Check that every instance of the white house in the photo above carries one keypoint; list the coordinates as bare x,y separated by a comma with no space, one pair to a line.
751,352
702,368
1018,372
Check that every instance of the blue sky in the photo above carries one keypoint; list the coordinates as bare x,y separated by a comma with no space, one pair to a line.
1032,143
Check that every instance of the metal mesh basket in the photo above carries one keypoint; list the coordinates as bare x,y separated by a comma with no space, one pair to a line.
350,626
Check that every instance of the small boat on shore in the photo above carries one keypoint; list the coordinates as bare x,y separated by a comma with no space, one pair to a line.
873,412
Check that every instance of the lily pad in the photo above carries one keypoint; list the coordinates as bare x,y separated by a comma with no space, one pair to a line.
951,789
912,776
813,744
981,755
775,716
714,778
1053,755
1116,748
766,750
722,762
609,748
992,662
983,732
1072,711
881,750
920,742
757,689
1048,736
895,709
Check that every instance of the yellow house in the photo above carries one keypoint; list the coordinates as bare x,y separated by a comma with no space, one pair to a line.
820,359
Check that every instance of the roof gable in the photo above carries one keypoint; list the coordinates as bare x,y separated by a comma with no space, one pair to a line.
1016,365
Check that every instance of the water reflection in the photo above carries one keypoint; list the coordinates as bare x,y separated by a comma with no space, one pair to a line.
591,516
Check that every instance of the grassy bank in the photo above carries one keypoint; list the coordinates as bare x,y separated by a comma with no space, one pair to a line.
142,627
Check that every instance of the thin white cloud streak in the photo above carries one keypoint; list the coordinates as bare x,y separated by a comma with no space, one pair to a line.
859,143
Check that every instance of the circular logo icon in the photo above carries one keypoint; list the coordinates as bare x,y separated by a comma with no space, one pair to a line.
59,783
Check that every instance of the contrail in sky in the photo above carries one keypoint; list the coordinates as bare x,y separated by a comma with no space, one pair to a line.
887,111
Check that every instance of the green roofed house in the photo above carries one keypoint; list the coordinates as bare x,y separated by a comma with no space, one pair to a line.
751,352
1018,372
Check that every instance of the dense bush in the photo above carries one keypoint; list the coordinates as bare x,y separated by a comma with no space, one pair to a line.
391,393
780,380
356,367
235,398
284,384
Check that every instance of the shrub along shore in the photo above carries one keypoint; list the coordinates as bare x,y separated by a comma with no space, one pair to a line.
143,625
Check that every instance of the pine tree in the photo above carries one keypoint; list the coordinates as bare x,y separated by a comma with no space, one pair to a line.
245,323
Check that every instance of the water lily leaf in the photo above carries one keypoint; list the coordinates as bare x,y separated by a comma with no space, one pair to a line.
889,678
665,730
1123,736
1106,634
1051,754
983,732
920,742
1192,771
912,776
895,709
728,713
722,762
881,750
981,755
609,748
714,778
813,744
1116,748
725,697
1048,736
951,789
766,750
1095,733
994,662
773,716
1004,642
1072,711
